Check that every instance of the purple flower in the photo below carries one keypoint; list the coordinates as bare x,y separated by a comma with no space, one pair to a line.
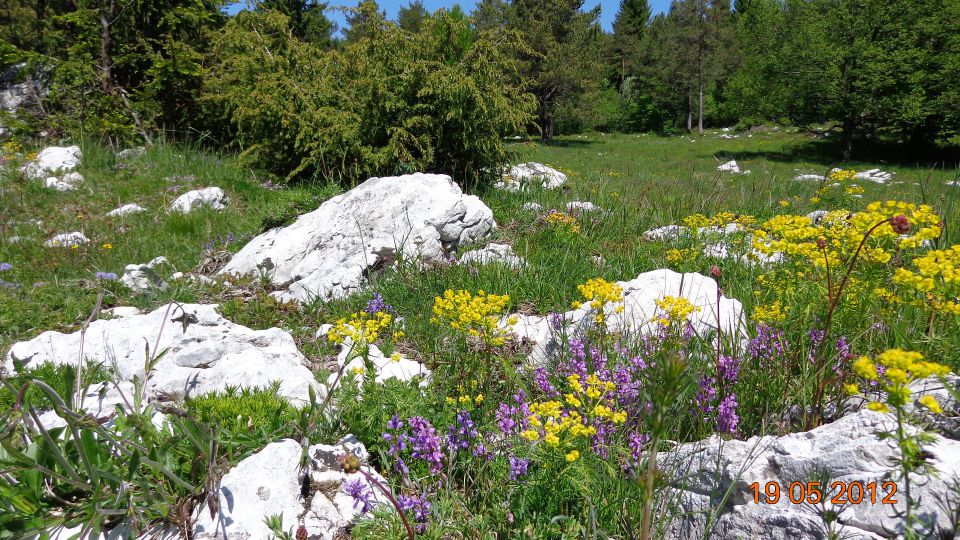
419,506
5,266
360,492
518,467
462,432
105,275
505,418
542,381
376,304
727,418
706,394
395,423
728,368
425,444
768,347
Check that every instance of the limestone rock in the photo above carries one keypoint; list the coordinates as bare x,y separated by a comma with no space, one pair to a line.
847,450
269,483
582,206
204,353
874,175
809,177
130,153
532,206
640,295
521,176
126,209
400,368
211,197
53,159
326,253
494,253
121,311
144,277
70,239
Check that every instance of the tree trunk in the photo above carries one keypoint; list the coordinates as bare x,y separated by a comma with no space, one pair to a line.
106,77
700,115
546,124
689,113
846,141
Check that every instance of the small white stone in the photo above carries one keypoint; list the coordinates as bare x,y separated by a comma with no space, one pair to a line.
70,239
211,197
126,209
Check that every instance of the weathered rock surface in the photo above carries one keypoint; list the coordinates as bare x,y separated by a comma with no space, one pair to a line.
328,252
67,182
493,253
522,176
847,450
639,303
582,206
809,177
270,483
53,159
731,166
211,197
70,239
101,400
874,175
532,206
126,209
208,354
144,277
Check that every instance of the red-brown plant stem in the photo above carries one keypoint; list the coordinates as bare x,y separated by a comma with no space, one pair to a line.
393,501
814,419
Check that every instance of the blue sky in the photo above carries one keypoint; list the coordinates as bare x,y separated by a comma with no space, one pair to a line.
608,8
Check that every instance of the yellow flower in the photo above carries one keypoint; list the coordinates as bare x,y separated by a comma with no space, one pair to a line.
878,407
551,439
814,200
395,356
74,246
931,403
572,456
530,435
865,368
598,292
107,246
357,370
851,388
771,314
469,314
479,399
675,309
784,203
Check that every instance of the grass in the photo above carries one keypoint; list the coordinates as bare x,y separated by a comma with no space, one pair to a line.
640,182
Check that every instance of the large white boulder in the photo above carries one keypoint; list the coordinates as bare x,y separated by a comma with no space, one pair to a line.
211,197
270,483
53,159
639,311
848,450
523,175
326,253
209,354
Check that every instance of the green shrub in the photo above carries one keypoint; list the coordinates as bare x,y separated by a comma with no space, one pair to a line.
389,103
62,378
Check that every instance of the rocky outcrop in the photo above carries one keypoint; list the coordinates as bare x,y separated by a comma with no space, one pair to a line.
639,311
51,161
715,476
203,352
327,253
144,277
272,483
522,176
211,197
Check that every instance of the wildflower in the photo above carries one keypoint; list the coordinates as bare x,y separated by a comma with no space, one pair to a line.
362,329
395,356
876,406
105,275
598,292
727,418
715,271
930,403
851,388
770,314
784,203
107,246
518,467
358,490
675,309
419,506
462,432
5,266
561,220
425,443
477,315
900,224
572,456
377,304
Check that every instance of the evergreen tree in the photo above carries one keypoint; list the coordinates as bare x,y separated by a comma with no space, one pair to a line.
629,27
363,20
412,16
307,19
490,15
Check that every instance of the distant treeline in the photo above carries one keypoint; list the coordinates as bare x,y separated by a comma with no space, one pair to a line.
437,91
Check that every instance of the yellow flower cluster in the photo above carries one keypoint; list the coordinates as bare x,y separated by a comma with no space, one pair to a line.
561,219
900,368
843,175
855,190
770,314
466,400
839,234
598,292
11,149
476,315
937,276
675,309
677,255
362,328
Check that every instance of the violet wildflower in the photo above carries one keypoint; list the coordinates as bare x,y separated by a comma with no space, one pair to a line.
5,266
505,418
728,369
542,381
105,275
425,444
768,347
377,304
462,432
706,394
816,338
727,418
360,492
419,507
518,467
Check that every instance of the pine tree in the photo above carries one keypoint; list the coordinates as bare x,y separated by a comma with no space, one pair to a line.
412,16
629,27
307,19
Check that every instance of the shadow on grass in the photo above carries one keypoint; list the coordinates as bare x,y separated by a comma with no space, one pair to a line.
827,153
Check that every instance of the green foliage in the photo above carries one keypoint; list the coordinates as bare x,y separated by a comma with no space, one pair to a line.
62,378
391,102
412,16
308,22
